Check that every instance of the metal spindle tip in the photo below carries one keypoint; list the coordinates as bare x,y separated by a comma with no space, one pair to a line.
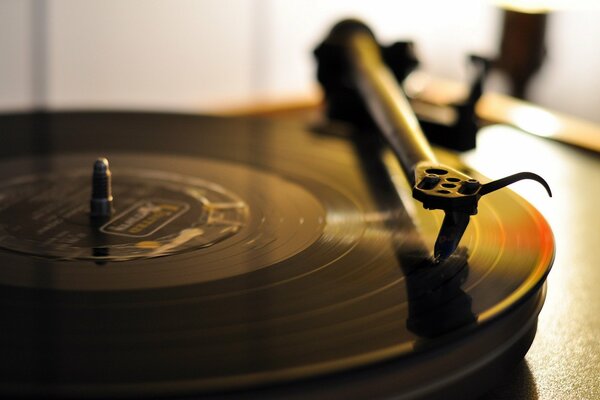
101,200
101,164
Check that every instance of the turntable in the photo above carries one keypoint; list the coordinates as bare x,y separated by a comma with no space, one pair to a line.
173,255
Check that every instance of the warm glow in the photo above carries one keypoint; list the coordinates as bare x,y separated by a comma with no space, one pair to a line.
526,6
542,6
534,120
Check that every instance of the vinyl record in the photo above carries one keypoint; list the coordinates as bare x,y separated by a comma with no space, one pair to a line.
247,257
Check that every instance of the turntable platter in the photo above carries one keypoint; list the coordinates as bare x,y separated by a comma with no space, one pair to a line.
279,270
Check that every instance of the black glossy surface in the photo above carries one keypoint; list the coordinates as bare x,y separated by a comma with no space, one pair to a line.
357,293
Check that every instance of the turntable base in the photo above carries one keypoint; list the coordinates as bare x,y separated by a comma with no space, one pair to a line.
563,360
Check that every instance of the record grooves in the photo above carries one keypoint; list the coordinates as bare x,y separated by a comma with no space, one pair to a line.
247,257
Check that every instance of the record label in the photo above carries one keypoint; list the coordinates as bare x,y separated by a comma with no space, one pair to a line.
172,225
158,214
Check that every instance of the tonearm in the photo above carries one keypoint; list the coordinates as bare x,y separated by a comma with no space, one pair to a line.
351,66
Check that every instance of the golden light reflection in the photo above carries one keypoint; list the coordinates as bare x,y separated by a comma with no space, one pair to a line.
534,120
526,6
543,6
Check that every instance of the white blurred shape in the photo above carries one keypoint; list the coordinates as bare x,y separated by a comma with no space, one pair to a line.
535,120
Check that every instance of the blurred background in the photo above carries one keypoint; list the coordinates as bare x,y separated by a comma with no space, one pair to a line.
207,56
212,55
